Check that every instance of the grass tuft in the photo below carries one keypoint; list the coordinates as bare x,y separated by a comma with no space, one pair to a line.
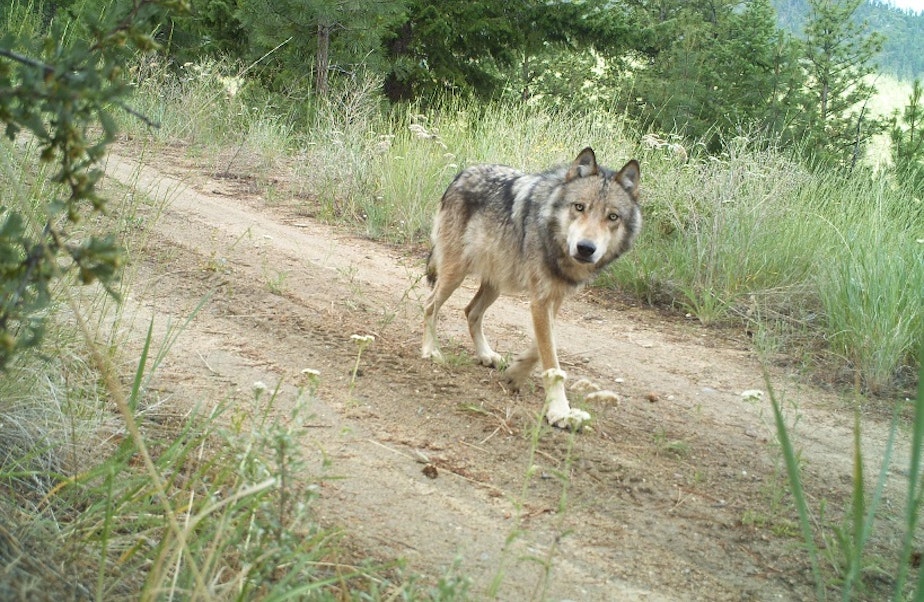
849,552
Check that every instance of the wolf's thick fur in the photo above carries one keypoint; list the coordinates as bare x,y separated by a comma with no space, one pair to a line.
546,234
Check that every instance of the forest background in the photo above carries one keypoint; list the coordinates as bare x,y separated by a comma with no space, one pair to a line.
798,72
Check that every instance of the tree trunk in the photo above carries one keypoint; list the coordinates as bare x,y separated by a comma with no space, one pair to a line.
524,93
322,64
399,88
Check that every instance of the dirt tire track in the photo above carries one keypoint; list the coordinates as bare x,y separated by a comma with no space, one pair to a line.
655,492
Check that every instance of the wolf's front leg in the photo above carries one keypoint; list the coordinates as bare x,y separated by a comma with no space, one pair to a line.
559,412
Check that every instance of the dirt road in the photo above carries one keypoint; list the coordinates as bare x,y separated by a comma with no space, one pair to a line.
669,495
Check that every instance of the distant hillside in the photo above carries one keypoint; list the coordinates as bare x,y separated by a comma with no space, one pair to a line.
903,51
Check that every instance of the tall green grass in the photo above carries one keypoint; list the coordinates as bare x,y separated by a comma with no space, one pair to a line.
723,237
829,261
215,506
871,282
850,567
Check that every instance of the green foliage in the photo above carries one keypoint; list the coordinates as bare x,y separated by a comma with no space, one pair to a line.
907,135
848,547
478,47
568,50
331,35
217,27
703,70
840,55
61,89
453,46
716,69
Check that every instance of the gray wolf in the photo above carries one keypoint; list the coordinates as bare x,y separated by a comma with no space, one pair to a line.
546,234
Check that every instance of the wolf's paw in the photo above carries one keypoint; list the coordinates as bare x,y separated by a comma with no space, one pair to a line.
491,360
559,413
513,380
432,353
516,373
573,419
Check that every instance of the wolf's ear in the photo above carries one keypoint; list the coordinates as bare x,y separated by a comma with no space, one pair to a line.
628,178
584,165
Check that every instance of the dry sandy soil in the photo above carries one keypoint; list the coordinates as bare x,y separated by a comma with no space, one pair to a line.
668,495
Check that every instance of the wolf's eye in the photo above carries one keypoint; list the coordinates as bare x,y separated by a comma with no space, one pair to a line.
614,217
579,207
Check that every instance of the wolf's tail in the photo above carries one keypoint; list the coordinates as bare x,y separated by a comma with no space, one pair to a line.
431,269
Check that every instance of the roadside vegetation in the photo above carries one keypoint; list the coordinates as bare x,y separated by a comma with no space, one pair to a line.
817,257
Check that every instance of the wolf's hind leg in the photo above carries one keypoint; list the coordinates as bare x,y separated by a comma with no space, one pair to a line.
486,295
446,283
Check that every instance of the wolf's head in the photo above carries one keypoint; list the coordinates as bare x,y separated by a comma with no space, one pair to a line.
599,210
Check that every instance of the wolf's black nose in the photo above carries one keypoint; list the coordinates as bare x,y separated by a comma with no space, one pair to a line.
585,250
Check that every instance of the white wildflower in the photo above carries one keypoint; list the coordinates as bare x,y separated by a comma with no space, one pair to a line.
232,85
752,395
604,396
384,144
419,131
584,386
653,141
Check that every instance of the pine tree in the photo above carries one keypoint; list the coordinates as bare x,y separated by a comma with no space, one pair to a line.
715,68
331,35
473,46
839,59
452,45
672,92
907,134
759,67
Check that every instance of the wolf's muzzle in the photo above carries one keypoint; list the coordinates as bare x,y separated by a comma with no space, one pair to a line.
585,251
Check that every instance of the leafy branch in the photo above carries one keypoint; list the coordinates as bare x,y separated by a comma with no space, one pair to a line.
62,94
